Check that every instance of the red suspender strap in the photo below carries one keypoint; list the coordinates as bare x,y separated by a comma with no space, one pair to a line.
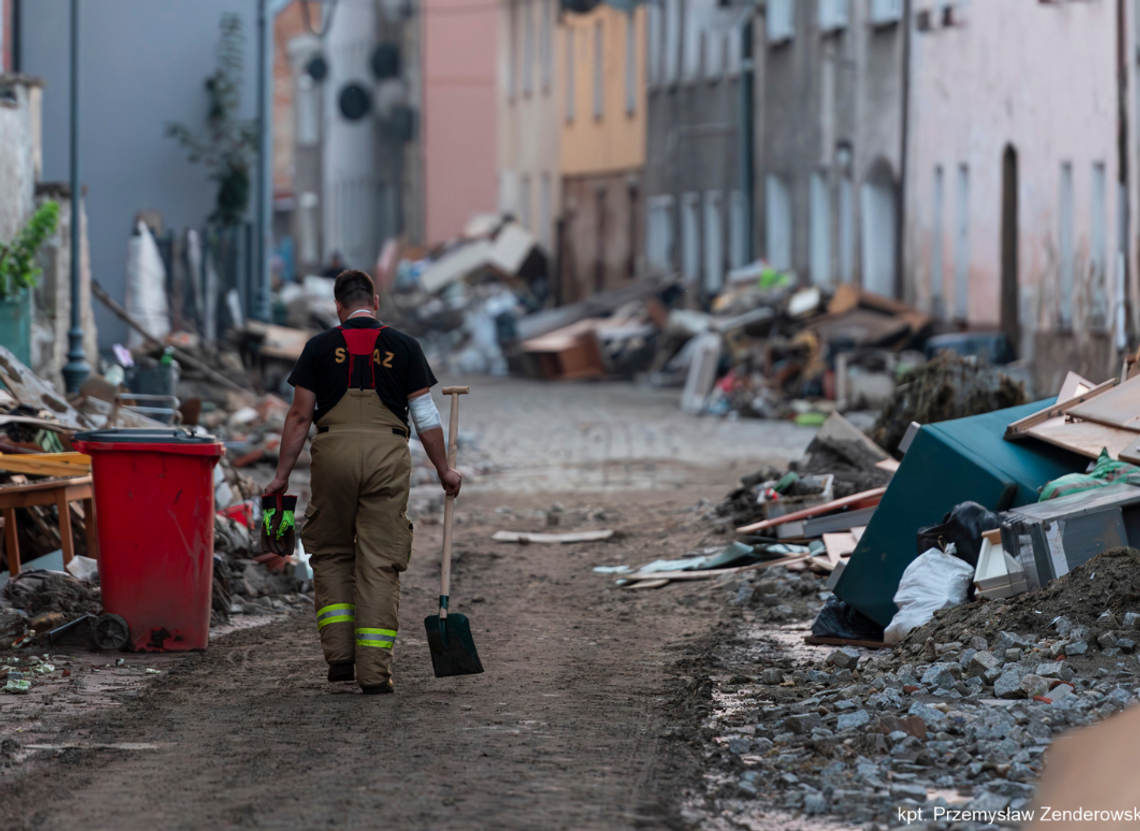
361,343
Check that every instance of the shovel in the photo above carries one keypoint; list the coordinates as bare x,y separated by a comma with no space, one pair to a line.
449,635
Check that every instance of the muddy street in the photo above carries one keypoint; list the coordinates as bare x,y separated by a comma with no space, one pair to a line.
570,726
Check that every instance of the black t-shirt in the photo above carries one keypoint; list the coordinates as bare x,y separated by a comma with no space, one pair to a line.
401,368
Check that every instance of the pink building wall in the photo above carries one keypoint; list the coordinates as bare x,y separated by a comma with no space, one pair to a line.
459,115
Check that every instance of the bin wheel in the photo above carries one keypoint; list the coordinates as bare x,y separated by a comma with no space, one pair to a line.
111,632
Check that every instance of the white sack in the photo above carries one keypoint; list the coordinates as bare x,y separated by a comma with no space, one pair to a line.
936,580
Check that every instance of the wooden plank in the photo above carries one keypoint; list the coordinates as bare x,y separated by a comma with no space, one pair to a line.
839,545
40,486
44,465
90,528
889,465
580,536
709,573
1084,437
870,496
837,523
11,541
1021,427
1118,407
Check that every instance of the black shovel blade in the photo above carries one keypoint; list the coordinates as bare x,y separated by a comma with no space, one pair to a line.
452,647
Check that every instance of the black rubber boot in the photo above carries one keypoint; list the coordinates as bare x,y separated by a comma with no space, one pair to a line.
342,672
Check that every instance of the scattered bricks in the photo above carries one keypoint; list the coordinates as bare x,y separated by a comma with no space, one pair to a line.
1131,620
1013,656
1009,685
982,663
1107,620
1034,686
803,725
1076,648
911,689
907,791
1126,645
941,675
772,676
855,720
1106,640
845,658
1011,640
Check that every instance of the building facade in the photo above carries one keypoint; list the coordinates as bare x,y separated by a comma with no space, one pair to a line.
532,68
698,201
603,150
830,104
1019,211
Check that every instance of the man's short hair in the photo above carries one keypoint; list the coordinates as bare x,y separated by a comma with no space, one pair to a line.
354,288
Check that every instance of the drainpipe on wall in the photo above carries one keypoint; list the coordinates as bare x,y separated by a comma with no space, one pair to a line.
904,132
1122,149
746,135
17,57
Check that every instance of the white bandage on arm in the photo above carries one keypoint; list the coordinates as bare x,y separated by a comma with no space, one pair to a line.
424,414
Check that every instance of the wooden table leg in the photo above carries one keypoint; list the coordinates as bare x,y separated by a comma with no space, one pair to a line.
65,539
11,541
89,526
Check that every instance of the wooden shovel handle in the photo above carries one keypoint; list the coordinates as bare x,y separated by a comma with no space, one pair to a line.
449,502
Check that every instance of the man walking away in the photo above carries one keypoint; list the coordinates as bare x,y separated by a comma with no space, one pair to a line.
360,382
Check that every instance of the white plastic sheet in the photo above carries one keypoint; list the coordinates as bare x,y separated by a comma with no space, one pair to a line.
936,580
146,287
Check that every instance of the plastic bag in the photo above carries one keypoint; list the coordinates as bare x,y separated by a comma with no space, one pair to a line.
935,580
278,529
838,619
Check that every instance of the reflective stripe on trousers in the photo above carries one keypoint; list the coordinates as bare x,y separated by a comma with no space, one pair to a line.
379,638
336,613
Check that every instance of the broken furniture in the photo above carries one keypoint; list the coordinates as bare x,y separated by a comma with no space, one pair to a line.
998,575
947,464
61,493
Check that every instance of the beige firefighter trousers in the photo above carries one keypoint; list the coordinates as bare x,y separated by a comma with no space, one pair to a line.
358,533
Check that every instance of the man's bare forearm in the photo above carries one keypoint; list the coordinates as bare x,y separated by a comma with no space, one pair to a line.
292,442
436,448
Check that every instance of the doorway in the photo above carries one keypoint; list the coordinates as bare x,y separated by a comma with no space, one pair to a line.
880,218
1010,323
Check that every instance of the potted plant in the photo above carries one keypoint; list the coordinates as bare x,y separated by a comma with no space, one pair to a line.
19,272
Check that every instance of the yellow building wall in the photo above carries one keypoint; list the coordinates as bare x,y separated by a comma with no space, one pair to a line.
616,140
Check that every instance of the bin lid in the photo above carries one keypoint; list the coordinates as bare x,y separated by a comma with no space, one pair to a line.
167,440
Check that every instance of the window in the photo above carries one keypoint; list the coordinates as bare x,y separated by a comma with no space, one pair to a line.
846,229
738,230
778,204
659,232
599,70
781,23
546,47
571,91
545,213
672,39
513,48
962,246
653,25
1098,245
1065,238
690,238
693,37
886,12
820,230
937,264
524,202
714,242
528,48
630,64
834,15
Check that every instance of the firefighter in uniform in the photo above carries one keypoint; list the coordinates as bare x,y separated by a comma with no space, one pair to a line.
360,382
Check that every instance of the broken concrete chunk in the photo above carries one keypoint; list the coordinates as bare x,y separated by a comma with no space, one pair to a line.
1012,640
1106,640
804,724
1008,686
855,720
941,676
1131,620
1107,620
982,663
1063,625
846,657
1034,685
772,676
1076,648
1050,670
1013,656
908,791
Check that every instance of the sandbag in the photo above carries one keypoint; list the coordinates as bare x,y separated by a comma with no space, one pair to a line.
1106,472
936,580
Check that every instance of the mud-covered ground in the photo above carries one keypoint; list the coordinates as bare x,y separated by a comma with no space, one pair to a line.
587,716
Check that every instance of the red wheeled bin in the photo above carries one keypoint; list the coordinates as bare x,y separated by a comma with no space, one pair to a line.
155,495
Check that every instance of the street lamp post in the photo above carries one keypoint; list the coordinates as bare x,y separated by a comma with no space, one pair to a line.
77,369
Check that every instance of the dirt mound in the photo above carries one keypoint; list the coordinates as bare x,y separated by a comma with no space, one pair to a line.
1109,582
36,592
946,388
